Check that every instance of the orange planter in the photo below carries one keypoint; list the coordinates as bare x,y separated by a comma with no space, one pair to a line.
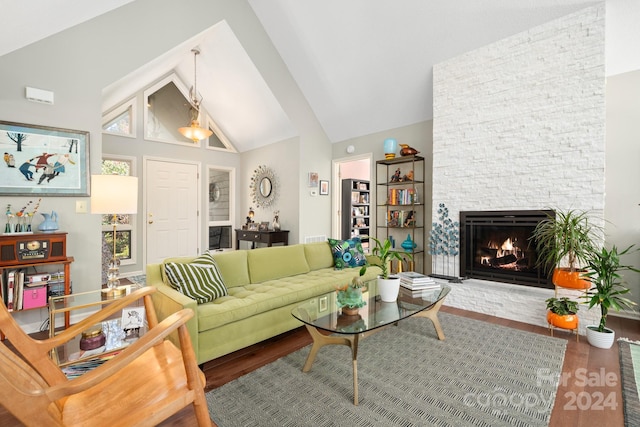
565,278
567,321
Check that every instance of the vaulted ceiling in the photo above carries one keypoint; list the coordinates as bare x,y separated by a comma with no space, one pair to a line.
363,65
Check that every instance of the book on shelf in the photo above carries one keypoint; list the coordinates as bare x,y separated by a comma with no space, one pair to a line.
418,293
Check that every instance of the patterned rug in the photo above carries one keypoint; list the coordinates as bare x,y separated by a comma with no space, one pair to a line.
481,375
630,372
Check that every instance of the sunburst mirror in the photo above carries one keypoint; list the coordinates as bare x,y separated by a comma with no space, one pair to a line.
263,186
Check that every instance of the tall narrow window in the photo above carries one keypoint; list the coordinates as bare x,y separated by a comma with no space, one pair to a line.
125,235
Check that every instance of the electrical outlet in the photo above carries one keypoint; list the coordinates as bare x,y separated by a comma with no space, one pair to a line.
81,206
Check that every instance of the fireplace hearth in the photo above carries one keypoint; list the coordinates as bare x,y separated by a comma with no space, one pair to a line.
494,245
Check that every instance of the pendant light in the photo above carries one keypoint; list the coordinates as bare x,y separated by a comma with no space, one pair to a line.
194,132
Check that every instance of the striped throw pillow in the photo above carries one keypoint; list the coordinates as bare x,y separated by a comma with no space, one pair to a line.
200,280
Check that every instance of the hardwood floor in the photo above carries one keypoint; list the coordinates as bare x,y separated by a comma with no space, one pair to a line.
589,393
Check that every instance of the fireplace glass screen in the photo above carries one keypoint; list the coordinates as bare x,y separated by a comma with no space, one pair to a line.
495,245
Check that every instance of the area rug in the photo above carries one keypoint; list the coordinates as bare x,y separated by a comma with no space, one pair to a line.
481,375
630,373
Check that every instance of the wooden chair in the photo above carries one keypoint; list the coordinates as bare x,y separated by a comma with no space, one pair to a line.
144,384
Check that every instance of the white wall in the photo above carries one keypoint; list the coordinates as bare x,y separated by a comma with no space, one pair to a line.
520,124
622,199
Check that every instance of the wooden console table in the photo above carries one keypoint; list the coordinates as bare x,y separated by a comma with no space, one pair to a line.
268,237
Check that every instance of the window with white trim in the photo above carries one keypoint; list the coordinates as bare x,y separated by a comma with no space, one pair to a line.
126,230
121,120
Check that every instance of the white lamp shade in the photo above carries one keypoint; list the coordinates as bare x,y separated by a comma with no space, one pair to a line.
114,194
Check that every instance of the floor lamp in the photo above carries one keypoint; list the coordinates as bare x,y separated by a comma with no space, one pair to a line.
114,195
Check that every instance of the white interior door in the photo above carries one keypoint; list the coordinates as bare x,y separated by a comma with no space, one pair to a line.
172,214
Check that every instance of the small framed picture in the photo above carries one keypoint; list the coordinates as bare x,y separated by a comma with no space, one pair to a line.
264,226
132,320
252,226
324,187
313,179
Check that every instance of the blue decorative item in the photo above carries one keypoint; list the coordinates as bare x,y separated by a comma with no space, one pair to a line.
50,222
408,245
390,148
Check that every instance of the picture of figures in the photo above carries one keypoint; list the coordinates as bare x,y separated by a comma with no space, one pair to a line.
43,160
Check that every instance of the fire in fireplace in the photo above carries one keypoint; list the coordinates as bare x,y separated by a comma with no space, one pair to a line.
495,246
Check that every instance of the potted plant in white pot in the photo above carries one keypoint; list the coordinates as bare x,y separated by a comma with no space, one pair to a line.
564,242
606,291
388,285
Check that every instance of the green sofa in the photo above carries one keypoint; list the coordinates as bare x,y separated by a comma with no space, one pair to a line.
264,285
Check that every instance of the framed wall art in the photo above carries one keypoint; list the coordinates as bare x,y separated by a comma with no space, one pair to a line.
324,187
42,160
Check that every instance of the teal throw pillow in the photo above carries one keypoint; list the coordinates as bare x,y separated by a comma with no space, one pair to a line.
200,280
347,253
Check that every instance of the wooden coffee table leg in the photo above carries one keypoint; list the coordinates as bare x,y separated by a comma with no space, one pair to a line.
432,314
320,340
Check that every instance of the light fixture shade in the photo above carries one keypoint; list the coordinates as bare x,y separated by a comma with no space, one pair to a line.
114,194
195,132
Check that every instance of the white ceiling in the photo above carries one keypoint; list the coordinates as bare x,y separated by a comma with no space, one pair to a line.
363,65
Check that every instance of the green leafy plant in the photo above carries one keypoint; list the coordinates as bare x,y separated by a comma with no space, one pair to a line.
604,274
562,306
385,253
567,236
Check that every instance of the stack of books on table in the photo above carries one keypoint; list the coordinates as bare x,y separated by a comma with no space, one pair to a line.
413,284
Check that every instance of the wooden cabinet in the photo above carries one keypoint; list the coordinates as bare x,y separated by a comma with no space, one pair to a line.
33,255
400,210
356,214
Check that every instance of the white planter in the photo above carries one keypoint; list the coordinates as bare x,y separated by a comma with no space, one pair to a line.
389,288
600,339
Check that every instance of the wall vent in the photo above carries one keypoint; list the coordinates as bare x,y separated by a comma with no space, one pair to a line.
313,239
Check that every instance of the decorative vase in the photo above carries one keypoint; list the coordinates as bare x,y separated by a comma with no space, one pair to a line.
50,222
389,288
390,148
408,245
276,224
566,278
600,339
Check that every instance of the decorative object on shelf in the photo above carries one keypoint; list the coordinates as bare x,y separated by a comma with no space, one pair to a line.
349,297
263,186
406,150
562,313
408,245
194,132
276,221
92,339
114,195
61,156
250,215
390,148
564,242
264,226
604,270
50,222
444,241
388,286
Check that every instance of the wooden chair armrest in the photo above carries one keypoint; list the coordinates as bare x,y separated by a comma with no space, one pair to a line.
126,356
108,310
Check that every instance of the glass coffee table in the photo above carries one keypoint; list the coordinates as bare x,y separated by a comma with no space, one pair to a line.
322,314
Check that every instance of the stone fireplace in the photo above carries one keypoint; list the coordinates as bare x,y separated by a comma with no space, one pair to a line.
520,125
495,245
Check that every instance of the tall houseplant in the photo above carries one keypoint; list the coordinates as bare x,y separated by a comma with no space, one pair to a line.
388,286
604,274
564,242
